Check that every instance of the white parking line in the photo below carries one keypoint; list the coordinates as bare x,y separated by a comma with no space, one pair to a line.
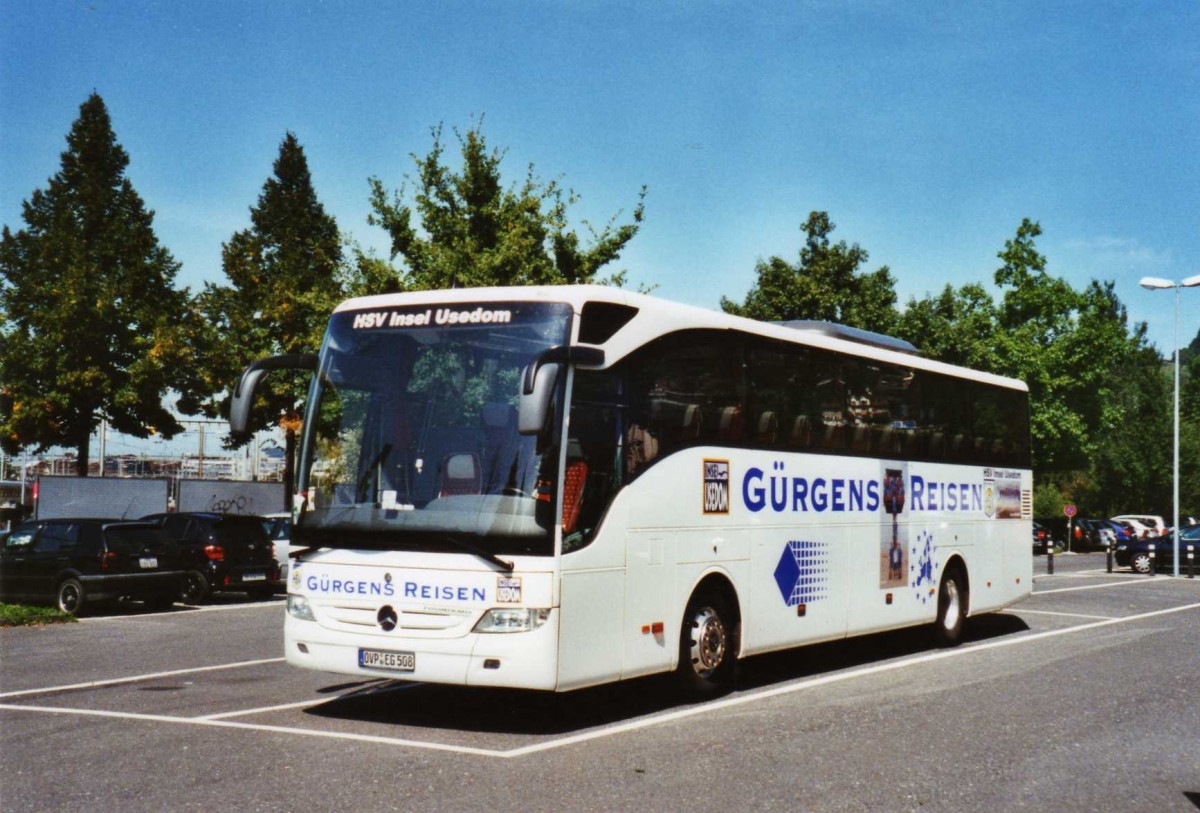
1086,574
635,725
1145,580
303,703
1065,615
299,705
162,718
135,678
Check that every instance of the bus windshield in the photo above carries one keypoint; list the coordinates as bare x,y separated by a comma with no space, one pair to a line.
410,439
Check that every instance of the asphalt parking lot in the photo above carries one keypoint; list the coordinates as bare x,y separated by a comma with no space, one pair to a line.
1083,697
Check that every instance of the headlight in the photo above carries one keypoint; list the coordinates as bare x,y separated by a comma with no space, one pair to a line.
511,620
299,607
1121,547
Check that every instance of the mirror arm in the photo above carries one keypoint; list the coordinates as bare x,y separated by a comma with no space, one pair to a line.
243,391
581,354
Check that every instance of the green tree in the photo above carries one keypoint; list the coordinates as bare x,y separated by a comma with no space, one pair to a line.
1130,468
464,228
1036,319
284,281
87,303
827,284
958,326
1099,418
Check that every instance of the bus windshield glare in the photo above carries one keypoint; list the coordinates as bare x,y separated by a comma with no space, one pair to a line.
411,441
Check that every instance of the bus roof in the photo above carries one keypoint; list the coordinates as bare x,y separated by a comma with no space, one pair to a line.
656,317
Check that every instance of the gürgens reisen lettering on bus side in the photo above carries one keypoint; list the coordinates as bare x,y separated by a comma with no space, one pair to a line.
781,492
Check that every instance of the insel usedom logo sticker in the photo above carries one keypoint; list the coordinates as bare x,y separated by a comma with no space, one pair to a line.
716,486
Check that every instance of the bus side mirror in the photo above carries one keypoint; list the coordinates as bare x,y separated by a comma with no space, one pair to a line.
243,394
534,402
539,378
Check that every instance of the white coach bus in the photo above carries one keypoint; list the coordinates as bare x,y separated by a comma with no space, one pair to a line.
557,487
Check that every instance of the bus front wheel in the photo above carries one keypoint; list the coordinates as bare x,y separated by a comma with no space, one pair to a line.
707,654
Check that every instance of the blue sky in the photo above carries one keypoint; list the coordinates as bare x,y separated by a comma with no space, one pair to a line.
926,130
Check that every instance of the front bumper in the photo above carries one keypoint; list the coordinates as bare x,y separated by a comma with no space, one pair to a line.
527,660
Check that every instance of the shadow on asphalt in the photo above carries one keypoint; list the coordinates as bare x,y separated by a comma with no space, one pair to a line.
508,711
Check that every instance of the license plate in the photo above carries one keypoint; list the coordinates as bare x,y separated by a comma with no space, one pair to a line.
148,562
254,577
381,659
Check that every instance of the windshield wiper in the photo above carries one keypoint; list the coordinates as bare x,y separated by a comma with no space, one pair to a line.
481,553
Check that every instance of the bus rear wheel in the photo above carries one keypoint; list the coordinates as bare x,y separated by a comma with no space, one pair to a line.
707,654
952,608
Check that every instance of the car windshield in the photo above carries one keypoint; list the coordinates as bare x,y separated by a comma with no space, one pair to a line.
20,537
411,434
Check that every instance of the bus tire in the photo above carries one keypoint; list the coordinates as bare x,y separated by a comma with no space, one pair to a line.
952,607
707,652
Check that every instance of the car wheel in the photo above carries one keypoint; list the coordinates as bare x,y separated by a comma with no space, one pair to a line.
195,587
70,597
952,608
707,654
1140,562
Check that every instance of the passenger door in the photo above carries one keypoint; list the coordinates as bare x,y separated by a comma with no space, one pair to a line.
51,555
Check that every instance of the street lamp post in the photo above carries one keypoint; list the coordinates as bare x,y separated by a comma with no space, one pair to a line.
1154,283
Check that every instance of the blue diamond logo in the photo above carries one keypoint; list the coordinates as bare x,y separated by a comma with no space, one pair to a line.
787,573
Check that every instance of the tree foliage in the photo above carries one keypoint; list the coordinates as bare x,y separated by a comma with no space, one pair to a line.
464,228
1099,409
827,283
284,281
88,303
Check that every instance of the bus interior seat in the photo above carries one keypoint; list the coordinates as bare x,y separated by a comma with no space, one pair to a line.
768,428
574,481
501,442
460,475
886,441
730,425
675,420
801,437
937,445
861,441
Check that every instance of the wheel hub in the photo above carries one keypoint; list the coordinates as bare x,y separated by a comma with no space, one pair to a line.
708,641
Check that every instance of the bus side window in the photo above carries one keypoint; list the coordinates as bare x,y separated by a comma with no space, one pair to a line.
944,413
687,388
784,394
594,470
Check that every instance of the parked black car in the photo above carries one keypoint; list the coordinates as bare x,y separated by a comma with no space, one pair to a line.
75,562
1135,553
221,552
1056,529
